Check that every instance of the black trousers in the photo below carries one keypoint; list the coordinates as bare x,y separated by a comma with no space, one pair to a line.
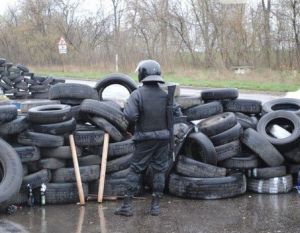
152,153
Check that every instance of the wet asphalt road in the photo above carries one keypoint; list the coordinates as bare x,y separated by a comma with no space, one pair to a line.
245,214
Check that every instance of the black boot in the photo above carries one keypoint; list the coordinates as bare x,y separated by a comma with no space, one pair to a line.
155,207
126,208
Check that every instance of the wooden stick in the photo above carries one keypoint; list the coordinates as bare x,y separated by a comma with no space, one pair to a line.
103,167
77,171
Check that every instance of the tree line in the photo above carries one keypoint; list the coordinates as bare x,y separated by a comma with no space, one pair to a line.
190,33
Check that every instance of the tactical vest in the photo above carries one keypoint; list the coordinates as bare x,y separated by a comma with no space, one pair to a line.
153,109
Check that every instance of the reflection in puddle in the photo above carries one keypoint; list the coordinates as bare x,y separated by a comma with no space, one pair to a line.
102,219
80,219
7,226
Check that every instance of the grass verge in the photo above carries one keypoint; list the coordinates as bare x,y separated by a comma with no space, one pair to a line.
259,80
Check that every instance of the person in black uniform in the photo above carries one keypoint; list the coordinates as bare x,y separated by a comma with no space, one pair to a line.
147,108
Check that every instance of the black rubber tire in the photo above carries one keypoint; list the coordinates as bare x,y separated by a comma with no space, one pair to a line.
111,114
89,160
75,112
5,86
286,104
228,150
25,169
193,168
244,162
201,148
267,172
219,94
36,179
119,163
21,85
245,121
39,88
62,193
16,126
33,167
72,91
207,188
280,117
275,185
62,152
40,139
217,124
12,171
47,81
67,175
38,79
186,102
19,198
89,138
71,102
227,136
203,111
22,95
292,155
104,125
114,187
57,80
85,127
48,114
42,95
8,113
65,127
122,174
117,78
28,153
7,81
243,106
11,91
118,149
51,163
262,147
22,68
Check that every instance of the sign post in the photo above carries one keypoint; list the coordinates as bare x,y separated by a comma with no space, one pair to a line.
62,49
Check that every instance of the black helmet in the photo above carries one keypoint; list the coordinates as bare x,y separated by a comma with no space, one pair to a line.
149,71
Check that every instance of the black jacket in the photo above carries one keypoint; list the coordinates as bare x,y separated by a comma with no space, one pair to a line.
147,108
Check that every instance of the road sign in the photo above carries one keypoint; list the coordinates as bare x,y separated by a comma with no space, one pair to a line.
62,46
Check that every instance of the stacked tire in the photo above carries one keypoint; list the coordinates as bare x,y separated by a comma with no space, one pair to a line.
107,117
17,82
72,94
236,137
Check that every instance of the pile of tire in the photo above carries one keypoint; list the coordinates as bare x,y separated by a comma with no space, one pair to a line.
45,153
17,82
236,146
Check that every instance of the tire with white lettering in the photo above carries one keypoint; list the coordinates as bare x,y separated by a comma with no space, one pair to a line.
275,185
